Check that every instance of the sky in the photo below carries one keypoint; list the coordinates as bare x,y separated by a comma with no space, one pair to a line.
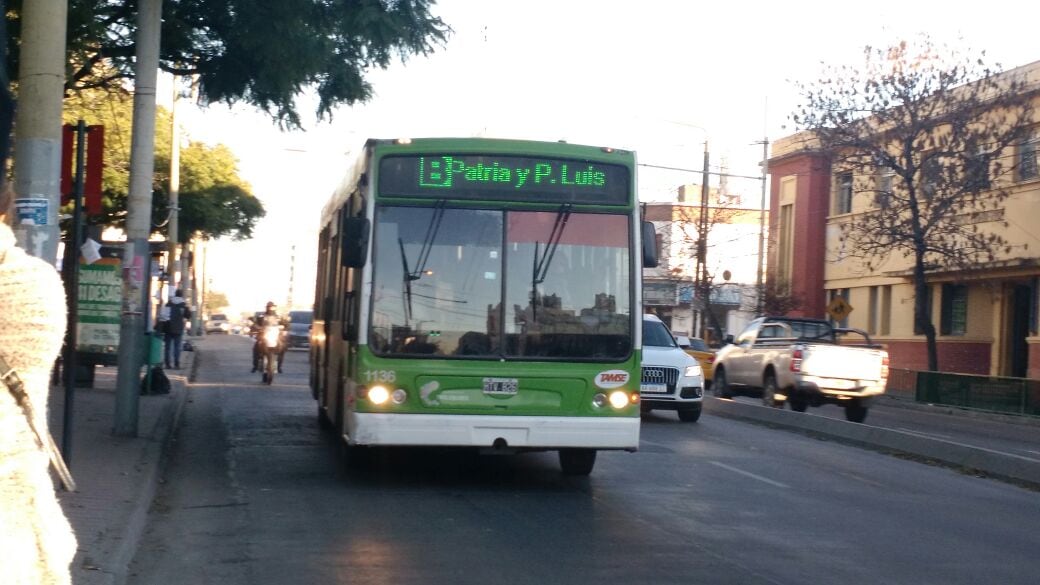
658,77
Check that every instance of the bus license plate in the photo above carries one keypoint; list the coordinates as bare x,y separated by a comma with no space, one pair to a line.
501,386
652,388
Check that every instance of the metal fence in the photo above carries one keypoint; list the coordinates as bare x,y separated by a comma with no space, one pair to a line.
992,393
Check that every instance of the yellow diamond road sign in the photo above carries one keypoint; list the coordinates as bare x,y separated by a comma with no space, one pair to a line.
838,308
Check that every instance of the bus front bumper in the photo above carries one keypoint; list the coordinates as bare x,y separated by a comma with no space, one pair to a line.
514,432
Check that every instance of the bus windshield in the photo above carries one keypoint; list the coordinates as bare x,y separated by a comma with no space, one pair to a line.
501,284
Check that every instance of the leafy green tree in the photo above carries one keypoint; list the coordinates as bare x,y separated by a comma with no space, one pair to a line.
924,134
266,53
214,201
215,302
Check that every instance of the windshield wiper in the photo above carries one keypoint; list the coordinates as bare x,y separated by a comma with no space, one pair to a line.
424,254
540,268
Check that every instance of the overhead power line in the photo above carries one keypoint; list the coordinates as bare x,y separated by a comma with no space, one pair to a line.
699,171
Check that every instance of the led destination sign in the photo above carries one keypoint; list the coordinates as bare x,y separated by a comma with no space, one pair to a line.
503,177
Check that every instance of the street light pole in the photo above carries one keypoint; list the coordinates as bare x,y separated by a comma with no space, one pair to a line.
762,226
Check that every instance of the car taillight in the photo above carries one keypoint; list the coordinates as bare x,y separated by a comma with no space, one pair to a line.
796,360
884,366
711,359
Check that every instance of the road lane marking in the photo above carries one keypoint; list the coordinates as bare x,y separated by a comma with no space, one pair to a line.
924,434
749,474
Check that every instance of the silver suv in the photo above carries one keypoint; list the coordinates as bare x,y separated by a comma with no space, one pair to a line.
672,379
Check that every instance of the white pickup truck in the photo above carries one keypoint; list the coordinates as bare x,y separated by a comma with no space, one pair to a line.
804,362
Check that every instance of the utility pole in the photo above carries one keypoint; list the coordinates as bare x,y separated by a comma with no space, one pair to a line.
702,247
762,226
173,267
37,164
136,256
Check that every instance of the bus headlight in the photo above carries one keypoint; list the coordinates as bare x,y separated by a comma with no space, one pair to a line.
399,396
378,395
619,399
599,400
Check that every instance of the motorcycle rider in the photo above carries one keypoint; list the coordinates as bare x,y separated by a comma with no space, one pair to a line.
268,317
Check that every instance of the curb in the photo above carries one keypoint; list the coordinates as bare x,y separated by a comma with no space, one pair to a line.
999,465
154,459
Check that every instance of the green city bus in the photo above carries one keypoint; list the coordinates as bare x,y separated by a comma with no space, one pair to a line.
485,293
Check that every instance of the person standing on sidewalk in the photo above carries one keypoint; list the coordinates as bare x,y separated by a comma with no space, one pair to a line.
176,313
37,543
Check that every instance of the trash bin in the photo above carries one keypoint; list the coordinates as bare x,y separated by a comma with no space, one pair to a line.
155,348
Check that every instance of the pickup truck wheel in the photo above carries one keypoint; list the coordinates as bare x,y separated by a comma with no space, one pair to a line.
720,385
769,390
855,412
798,403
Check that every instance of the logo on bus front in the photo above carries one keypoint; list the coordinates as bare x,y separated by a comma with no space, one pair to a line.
611,379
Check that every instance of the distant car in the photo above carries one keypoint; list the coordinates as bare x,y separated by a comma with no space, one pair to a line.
672,379
218,323
300,328
705,355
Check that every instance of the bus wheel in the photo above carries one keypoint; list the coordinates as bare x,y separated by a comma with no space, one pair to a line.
323,420
357,457
577,461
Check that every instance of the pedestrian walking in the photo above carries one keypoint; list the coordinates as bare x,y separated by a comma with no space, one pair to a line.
173,317
36,542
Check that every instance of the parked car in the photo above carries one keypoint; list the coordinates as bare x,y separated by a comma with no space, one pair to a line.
300,328
671,378
218,323
704,355
803,362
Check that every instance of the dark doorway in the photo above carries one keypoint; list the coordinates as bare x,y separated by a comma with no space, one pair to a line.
1021,298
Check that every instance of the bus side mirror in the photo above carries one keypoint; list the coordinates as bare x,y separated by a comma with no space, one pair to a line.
355,241
649,245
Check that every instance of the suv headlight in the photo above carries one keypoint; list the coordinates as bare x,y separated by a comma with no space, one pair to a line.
693,371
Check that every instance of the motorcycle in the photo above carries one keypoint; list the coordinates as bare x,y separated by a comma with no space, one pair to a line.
270,342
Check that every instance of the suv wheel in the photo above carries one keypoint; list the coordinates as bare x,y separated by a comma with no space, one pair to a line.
689,414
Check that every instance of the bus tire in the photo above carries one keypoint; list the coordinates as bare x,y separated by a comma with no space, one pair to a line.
323,420
577,461
357,457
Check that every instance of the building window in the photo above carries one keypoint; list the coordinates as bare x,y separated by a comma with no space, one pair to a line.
954,318
1027,167
885,182
931,175
786,251
886,310
874,311
843,194
659,245
976,172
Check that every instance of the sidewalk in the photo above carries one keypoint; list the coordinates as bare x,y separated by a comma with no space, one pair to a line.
116,477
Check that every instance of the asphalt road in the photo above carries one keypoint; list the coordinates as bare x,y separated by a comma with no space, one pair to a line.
255,493
1018,436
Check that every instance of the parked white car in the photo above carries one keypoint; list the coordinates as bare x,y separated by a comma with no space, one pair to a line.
672,379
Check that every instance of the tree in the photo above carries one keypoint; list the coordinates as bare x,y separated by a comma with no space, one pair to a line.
919,139
688,225
214,201
215,302
266,53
